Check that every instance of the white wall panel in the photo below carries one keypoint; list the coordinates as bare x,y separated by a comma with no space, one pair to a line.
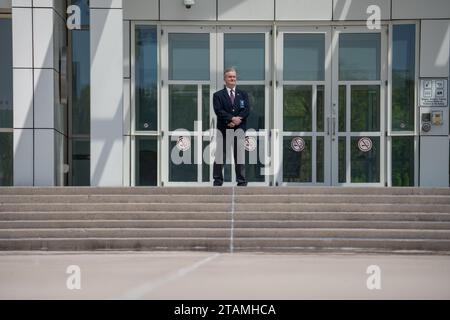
141,9
175,10
23,98
106,97
246,9
435,48
304,9
357,9
420,9
23,157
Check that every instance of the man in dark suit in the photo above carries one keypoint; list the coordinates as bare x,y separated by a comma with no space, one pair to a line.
232,108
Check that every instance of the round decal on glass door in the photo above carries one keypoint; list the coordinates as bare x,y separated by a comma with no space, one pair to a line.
298,144
184,143
250,144
365,144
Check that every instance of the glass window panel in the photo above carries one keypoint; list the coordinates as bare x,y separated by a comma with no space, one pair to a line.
342,154
253,163
365,165
365,108
359,56
6,159
297,108
81,160
146,161
297,166
6,87
402,161
342,109
304,57
184,172
246,52
256,96
205,108
84,7
320,161
81,78
403,77
146,78
320,109
182,107
189,56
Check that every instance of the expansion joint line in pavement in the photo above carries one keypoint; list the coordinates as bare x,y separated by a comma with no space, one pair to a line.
232,221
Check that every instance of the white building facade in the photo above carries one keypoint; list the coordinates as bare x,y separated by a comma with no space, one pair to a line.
342,92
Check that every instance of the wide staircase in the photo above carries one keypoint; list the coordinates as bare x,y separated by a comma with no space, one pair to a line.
275,219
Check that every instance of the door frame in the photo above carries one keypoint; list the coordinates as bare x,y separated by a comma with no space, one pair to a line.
331,159
337,30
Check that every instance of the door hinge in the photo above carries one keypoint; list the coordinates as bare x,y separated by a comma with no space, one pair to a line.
162,83
162,32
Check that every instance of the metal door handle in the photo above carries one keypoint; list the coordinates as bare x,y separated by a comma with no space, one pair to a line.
334,126
328,126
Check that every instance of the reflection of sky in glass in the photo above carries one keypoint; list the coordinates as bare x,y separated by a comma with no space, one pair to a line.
359,56
5,73
189,56
245,52
146,56
80,60
404,43
304,57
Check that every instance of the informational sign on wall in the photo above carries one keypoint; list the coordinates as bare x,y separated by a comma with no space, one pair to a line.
433,92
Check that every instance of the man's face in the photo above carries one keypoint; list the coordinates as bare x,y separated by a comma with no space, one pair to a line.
230,79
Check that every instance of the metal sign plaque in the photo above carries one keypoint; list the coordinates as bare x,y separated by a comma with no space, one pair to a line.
298,144
433,92
250,144
184,143
365,144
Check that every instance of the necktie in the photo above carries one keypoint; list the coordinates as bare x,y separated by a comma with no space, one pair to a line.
232,96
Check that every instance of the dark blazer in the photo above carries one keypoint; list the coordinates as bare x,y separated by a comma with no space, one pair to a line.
225,111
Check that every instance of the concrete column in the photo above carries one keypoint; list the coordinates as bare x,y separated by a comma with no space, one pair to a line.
106,92
39,118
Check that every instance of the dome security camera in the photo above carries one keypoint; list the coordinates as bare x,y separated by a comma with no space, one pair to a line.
189,3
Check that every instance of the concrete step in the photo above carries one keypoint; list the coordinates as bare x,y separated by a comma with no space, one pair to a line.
114,215
278,233
240,199
83,244
238,216
56,224
221,191
123,207
222,233
98,199
326,224
333,244
116,233
340,207
225,207
223,245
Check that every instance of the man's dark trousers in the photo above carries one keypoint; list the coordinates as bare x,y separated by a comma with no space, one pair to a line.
236,138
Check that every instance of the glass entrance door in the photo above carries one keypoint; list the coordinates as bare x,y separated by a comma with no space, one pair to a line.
188,81
247,50
193,60
358,106
330,111
302,115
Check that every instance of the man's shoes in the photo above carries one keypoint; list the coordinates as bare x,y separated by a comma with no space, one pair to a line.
242,184
217,184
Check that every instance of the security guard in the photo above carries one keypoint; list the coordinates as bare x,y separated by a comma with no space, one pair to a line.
232,108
